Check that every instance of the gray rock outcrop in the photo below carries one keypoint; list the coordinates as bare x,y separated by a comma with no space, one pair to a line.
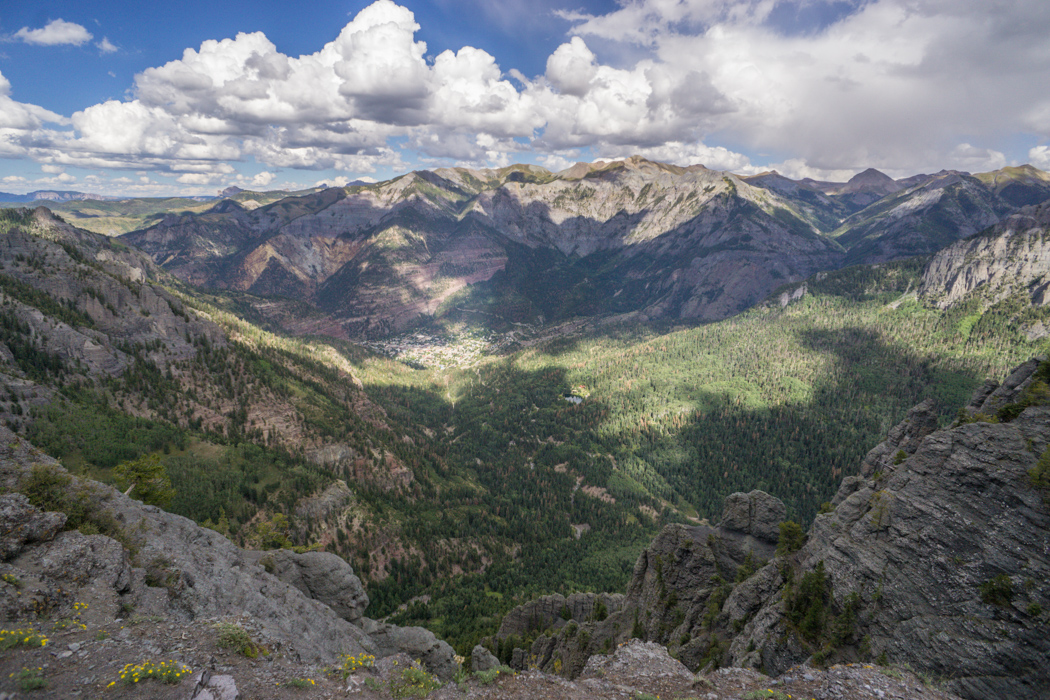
416,642
481,659
903,438
552,612
668,597
21,523
319,575
184,572
757,514
944,561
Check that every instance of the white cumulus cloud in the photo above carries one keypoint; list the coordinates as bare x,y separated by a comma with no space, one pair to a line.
902,85
55,33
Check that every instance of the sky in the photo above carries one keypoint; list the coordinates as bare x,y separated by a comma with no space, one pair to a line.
145,99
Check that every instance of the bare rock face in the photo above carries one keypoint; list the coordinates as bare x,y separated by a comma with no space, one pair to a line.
1011,257
554,612
944,561
21,524
321,576
904,438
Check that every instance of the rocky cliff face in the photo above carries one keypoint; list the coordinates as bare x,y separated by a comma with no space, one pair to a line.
940,559
679,584
1011,257
937,555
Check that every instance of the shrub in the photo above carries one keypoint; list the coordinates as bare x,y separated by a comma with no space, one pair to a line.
235,637
998,590
145,479
767,694
351,663
490,676
49,488
806,605
413,681
1039,475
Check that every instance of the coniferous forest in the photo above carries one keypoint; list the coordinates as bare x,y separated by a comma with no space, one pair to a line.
543,467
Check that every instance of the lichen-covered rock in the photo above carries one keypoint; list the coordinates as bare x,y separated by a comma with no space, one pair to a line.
416,642
320,575
481,659
21,523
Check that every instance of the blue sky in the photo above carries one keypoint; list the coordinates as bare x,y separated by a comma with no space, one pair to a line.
189,97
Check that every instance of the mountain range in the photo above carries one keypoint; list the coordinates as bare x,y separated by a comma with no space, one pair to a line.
543,460
631,239
51,196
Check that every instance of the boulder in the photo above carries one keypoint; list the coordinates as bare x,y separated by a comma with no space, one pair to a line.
416,642
322,576
22,523
481,659
757,514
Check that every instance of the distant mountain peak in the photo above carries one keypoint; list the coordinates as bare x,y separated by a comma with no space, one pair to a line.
871,180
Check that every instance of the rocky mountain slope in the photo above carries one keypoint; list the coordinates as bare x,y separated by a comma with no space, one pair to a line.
936,555
527,245
51,196
921,219
625,236
83,311
1012,256
1020,186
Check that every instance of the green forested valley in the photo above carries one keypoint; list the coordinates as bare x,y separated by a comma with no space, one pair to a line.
544,467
